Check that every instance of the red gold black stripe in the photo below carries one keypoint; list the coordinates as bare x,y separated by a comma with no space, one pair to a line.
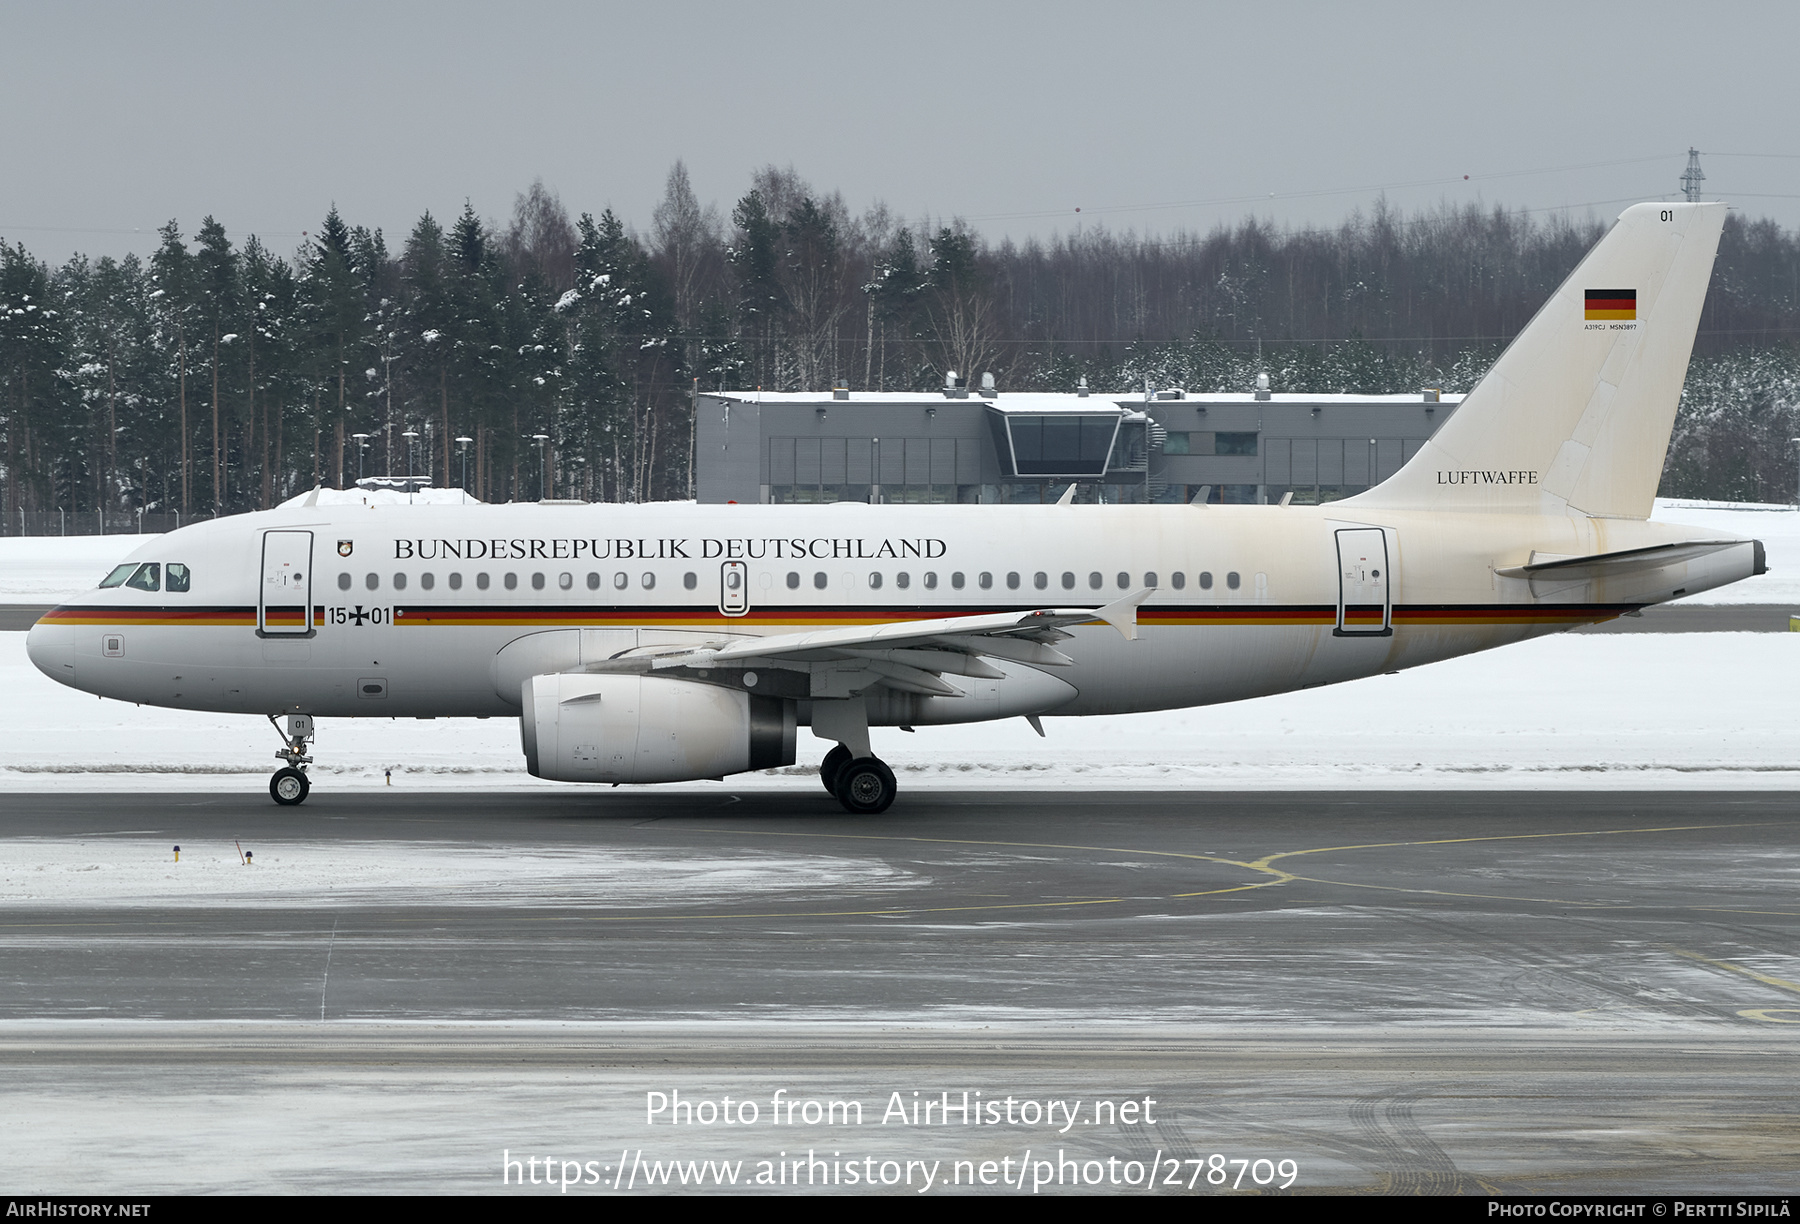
801,618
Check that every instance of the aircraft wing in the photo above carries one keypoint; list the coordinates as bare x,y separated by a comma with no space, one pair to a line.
908,655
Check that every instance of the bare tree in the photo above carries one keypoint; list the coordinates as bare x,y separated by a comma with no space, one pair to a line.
687,242
541,238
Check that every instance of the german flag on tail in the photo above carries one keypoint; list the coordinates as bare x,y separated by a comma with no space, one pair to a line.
1612,304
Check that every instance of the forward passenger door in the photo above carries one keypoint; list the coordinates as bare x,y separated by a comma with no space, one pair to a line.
284,600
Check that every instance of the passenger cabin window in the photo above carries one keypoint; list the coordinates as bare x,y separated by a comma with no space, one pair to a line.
1206,580
511,581
1094,580
537,581
1041,580
931,580
903,580
456,582
819,580
399,582
690,580
147,578
1178,580
427,580
875,581
119,574
565,581
1012,581
793,580
1232,580
177,578
344,581
1068,580
372,581
1149,580
482,580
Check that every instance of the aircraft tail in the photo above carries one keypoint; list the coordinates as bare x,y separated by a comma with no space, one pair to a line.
1575,416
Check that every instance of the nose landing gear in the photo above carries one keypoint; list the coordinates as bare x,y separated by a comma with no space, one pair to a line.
289,785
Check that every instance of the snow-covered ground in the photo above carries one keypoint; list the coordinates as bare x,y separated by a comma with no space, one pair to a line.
50,569
1700,710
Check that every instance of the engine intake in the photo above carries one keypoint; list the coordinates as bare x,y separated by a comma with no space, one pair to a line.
580,727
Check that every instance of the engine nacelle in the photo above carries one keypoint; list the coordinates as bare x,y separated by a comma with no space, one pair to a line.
580,727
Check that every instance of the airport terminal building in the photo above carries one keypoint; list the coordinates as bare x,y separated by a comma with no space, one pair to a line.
987,446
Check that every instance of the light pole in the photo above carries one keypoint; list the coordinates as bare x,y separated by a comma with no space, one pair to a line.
541,439
412,454
362,444
1796,442
462,445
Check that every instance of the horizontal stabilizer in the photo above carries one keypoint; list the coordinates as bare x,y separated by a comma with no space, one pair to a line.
1605,565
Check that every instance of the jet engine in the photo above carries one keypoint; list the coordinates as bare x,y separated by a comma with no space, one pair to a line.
582,727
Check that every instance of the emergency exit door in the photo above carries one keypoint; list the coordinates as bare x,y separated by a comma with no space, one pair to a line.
1365,606
284,605
734,588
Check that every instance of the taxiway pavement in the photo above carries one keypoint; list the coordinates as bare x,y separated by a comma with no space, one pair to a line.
1530,991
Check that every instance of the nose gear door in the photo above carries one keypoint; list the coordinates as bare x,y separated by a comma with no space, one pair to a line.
284,601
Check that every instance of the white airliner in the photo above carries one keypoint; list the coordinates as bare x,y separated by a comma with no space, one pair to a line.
661,643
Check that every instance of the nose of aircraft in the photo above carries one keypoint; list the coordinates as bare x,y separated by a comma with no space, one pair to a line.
51,648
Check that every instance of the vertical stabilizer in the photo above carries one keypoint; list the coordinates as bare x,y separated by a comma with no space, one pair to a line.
1575,416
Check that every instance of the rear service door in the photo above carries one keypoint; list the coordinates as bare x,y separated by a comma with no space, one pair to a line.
1365,606
284,606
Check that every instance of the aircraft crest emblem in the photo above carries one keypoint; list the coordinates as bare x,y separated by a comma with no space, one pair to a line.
346,547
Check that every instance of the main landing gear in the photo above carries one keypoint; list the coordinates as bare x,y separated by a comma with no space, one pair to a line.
865,786
289,786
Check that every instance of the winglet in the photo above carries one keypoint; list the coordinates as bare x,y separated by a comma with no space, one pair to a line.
1068,495
1122,614
312,499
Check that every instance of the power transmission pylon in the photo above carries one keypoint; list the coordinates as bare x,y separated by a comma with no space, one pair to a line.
1691,178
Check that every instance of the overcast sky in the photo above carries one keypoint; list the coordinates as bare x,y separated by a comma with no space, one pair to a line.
1153,116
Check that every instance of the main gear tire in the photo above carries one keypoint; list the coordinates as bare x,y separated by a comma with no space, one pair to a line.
832,766
866,787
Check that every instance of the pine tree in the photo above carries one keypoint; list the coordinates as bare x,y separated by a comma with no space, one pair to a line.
216,299
34,393
172,272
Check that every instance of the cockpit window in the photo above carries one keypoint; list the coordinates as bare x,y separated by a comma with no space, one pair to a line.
147,578
119,575
178,578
